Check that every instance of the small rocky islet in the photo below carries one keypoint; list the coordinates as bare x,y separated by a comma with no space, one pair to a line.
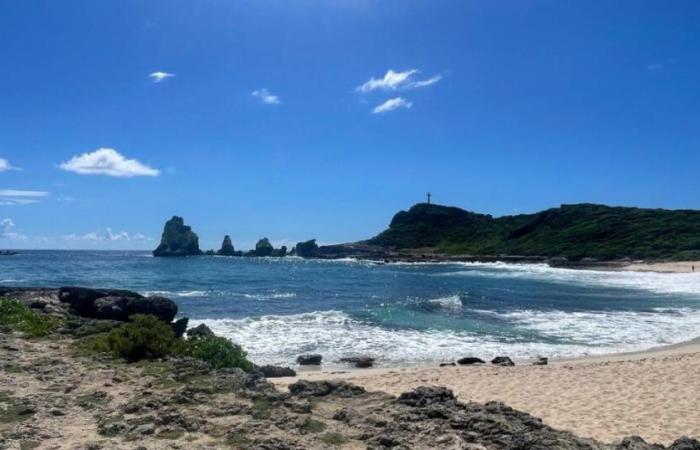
55,394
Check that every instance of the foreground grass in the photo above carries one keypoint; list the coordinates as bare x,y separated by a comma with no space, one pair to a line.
18,317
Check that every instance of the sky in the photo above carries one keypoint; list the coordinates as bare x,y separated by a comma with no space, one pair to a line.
306,119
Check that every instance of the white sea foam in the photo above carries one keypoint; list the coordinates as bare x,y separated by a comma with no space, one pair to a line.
449,303
177,293
664,283
271,296
279,339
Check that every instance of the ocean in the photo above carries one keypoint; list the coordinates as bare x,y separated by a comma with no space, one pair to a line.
403,314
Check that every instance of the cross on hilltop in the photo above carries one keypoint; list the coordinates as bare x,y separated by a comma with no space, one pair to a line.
429,195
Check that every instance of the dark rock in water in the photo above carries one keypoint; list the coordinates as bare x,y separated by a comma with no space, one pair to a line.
263,248
210,253
447,364
426,395
309,360
305,388
114,304
470,360
306,249
361,362
227,247
178,240
502,361
180,326
276,371
541,361
200,331
685,443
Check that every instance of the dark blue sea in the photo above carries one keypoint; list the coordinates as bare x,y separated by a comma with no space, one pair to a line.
404,314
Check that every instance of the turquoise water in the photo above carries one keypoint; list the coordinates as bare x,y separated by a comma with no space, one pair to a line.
402,313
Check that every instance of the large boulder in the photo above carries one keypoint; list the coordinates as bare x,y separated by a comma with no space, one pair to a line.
200,331
306,249
227,247
115,304
469,360
178,240
503,361
276,371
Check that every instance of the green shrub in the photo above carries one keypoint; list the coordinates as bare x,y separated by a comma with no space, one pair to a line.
18,317
219,352
145,337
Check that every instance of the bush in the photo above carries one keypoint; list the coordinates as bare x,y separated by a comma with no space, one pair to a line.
145,337
18,317
219,352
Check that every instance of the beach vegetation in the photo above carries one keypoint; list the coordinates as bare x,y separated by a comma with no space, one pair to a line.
147,338
19,317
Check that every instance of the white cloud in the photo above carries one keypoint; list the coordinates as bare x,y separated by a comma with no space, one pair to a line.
10,197
108,235
397,80
392,104
157,77
7,230
5,165
107,161
266,97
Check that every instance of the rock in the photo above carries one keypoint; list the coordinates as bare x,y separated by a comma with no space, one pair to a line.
502,361
306,249
447,364
180,326
299,406
263,248
305,388
200,331
227,247
469,360
276,371
685,443
361,362
312,359
541,361
115,304
426,395
178,240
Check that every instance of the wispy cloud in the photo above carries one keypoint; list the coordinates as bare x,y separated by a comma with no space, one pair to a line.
157,77
7,230
397,80
107,235
391,105
266,97
107,161
10,197
5,165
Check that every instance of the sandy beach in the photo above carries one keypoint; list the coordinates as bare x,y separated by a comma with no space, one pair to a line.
653,394
663,267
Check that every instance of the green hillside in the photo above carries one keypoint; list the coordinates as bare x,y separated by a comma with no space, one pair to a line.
573,231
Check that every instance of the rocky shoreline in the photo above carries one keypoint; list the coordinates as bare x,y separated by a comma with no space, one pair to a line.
55,394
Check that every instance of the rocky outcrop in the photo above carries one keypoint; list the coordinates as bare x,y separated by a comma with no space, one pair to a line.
503,361
115,304
312,359
308,249
263,248
178,240
227,247
361,362
469,360
276,371
200,331
541,361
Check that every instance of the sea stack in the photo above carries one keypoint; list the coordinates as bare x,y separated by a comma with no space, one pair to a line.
264,248
178,240
227,247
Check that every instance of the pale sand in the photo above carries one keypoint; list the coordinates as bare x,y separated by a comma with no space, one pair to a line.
654,394
664,267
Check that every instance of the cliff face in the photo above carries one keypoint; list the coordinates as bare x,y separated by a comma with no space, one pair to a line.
178,240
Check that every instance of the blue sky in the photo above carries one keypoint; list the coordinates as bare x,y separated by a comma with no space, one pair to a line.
272,122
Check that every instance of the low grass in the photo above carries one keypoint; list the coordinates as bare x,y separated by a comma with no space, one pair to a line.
18,317
312,426
333,438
